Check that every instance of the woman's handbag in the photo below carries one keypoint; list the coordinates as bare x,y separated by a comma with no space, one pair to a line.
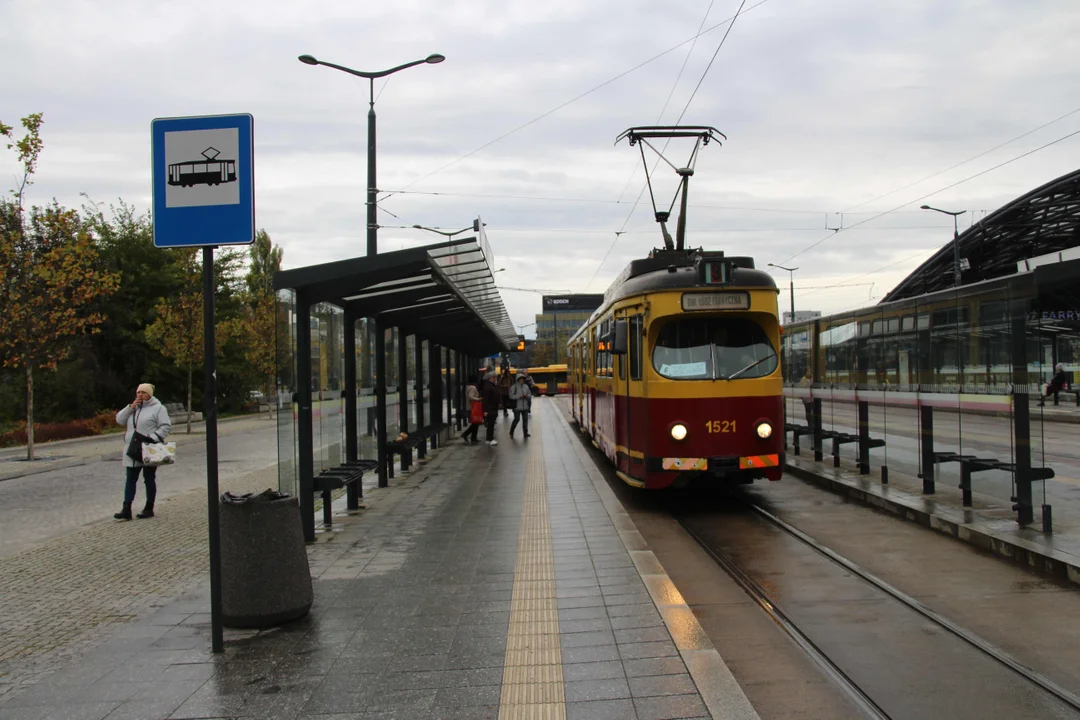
156,454
476,413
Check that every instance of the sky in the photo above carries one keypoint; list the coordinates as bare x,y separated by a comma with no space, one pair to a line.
842,117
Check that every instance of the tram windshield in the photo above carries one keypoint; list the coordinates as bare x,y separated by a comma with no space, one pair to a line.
713,348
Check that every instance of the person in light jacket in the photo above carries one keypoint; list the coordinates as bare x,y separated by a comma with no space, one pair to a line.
521,396
147,420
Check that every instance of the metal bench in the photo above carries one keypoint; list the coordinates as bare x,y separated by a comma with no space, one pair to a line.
342,476
417,440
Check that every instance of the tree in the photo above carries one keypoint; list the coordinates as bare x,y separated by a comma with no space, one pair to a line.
265,261
177,331
257,327
50,275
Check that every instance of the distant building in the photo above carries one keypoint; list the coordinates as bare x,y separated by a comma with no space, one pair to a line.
800,316
561,318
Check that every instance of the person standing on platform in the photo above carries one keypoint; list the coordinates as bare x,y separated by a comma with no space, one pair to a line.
506,384
521,395
491,396
147,421
473,400
808,403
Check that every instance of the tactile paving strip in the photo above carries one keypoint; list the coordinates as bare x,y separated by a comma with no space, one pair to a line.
532,684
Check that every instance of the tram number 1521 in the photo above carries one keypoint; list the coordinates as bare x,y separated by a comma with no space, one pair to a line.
720,426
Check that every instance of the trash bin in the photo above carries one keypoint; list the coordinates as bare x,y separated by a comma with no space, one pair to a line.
265,578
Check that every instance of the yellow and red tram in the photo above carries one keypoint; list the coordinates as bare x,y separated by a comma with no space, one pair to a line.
677,376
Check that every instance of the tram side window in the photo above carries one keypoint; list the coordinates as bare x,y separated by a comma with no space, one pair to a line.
634,349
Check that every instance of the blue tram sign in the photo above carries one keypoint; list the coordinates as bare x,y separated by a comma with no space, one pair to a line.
204,180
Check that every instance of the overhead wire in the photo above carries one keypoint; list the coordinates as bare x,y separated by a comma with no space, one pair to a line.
928,195
578,97
963,162
727,31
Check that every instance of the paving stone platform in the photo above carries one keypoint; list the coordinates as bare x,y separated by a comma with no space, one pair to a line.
490,582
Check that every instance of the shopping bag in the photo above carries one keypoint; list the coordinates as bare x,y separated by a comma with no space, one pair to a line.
476,414
155,454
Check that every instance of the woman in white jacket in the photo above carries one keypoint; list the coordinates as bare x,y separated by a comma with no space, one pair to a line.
147,420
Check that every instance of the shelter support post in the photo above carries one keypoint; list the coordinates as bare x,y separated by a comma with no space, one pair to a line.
402,382
352,431
304,428
818,454
449,387
418,372
380,402
1025,510
434,384
864,437
926,433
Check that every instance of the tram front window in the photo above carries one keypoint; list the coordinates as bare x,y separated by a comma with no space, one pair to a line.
714,348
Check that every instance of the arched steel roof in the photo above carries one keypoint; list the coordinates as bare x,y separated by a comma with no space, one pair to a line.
1045,220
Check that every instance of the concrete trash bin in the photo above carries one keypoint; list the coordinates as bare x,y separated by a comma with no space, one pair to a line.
265,578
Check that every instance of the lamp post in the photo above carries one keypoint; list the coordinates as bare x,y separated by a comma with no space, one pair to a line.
791,286
475,227
372,225
955,240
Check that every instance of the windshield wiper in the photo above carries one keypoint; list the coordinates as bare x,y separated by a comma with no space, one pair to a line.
754,364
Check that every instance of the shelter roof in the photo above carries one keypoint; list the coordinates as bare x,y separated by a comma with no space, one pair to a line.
1045,220
443,292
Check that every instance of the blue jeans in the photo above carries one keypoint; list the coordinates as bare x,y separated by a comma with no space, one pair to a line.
522,415
149,477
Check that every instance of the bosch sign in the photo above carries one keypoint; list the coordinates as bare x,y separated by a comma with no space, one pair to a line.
577,303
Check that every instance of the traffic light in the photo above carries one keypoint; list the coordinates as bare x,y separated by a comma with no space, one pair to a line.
520,345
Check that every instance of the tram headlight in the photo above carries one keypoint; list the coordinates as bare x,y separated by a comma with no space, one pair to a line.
764,430
678,431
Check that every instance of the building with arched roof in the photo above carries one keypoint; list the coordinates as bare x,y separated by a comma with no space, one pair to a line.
1035,226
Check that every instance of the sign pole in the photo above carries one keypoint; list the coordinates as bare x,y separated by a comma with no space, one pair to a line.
210,409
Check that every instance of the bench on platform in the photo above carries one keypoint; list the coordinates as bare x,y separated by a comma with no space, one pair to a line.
972,464
1065,391
416,440
342,476
178,413
838,439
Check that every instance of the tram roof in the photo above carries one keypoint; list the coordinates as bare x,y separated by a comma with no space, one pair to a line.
444,292
1045,220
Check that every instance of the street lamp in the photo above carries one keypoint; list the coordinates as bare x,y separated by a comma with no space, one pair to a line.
955,240
791,286
372,225
475,227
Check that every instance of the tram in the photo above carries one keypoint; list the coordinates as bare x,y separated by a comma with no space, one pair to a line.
676,378
550,379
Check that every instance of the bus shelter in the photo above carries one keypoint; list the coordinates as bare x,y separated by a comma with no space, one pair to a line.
374,346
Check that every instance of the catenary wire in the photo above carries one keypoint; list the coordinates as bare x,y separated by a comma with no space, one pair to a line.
963,162
928,195
686,107
578,97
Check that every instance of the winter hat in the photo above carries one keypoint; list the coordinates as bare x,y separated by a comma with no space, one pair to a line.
146,388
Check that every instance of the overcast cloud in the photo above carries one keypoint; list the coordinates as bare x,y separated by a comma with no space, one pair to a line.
827,104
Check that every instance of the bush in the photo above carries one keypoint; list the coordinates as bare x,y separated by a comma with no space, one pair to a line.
44,432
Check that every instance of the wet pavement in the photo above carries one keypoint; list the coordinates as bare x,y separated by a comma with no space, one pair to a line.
433,602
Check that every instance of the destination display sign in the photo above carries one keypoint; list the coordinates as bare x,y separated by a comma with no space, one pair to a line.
716,301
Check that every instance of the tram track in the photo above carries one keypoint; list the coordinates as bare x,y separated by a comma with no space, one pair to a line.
830,665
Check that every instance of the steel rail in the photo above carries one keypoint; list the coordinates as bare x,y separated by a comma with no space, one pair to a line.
857,695
975,641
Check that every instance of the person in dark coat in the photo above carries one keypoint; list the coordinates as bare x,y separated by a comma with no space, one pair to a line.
505,384
1059,382
492,398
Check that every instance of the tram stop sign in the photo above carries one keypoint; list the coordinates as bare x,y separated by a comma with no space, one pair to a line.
204,181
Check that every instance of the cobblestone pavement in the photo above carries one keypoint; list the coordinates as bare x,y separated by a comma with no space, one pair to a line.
64,596
44,505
